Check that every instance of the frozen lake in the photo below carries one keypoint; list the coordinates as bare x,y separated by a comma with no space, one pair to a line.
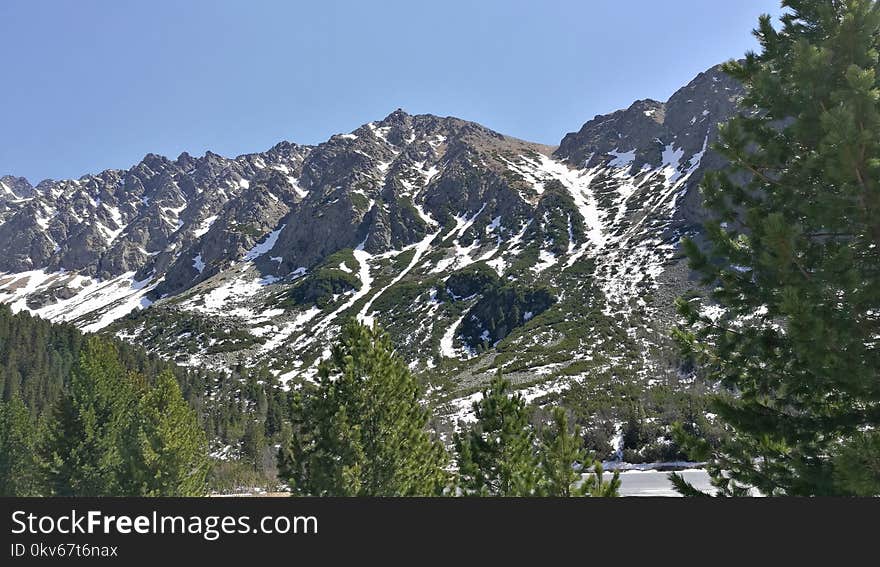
656,483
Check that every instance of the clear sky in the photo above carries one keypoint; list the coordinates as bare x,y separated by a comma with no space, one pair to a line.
88,85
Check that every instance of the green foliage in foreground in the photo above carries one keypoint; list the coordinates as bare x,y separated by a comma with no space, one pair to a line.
500,455
18,463
110,434
497,456
793,260
363,431
83,452
168,451
566,466
120,426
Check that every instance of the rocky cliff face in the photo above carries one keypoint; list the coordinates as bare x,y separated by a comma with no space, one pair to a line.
140,220
476,250
14,188
385,185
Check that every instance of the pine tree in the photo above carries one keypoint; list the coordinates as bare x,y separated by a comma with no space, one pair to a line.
168,450
254,442
296,435
363,431
19,472
857,465
84,450
497,456
287,458
562,455
596,486
564,460
793,255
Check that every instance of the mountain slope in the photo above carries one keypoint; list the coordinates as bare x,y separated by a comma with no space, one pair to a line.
475,250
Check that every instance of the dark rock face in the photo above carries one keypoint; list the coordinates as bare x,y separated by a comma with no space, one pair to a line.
640,126
382,186
686,123
150,218
12,188
647,126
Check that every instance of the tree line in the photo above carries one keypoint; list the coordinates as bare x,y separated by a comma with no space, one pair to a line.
111,433
242,409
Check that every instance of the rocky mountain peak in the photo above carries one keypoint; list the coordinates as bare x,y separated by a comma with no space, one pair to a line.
398,116
184,160
12,188
646,130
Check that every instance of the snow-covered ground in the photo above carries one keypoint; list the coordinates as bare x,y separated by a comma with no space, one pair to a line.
264,245
446,343
109,299
363,257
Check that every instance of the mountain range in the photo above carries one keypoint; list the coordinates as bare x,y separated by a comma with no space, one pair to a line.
478,252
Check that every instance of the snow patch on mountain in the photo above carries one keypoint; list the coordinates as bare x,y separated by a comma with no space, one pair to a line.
447,349
265,245
104,301
420,249
205,226
622,160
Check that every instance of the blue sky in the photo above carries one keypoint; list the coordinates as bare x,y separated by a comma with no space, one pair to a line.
89,85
